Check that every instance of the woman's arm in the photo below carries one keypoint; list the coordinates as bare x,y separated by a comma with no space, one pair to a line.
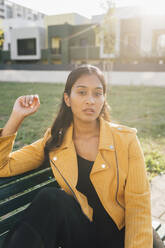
29,157
138,221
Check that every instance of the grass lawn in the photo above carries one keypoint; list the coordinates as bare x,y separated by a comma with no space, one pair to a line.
134,106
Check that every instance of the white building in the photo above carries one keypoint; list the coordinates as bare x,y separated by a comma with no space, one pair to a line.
26,43
137,33
152,33
8,25
9,10
13,16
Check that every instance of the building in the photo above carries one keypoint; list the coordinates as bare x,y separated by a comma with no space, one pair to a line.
10,10
139,37
71,39
72,44
2,9
8,25
77,44
70,18
14,16
27,43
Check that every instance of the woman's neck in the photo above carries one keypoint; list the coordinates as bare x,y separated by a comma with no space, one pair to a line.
85,130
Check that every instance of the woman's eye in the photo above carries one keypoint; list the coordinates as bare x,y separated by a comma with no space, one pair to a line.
82,93
98,94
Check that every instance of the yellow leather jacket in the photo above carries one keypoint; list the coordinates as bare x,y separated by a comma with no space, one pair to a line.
118,176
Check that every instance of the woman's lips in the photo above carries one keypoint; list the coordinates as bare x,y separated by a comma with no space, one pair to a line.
89,111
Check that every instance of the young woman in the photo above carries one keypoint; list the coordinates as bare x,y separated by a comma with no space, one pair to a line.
105,196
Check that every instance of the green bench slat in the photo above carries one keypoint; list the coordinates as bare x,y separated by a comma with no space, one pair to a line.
161,232
17,192
158,234
156,225
24,182
6,180
2,238
9,221
24,197
9,218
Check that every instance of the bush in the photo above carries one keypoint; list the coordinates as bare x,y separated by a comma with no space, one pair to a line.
155,163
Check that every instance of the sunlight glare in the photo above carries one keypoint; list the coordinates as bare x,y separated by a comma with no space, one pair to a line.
153,7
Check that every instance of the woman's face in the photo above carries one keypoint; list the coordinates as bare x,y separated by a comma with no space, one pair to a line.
86,99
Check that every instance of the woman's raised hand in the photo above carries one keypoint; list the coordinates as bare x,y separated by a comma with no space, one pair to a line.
26,105
23,107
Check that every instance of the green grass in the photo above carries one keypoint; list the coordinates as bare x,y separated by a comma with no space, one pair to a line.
135,106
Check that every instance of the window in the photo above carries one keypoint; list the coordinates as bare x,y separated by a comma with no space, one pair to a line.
26,46
56,45
158,42
9,12
131,43
35,17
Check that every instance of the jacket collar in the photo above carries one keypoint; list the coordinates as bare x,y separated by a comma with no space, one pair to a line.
106,141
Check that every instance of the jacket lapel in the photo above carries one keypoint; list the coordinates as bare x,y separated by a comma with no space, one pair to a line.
106,152
65,158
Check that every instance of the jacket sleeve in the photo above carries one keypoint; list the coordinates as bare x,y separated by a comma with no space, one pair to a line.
138,221
27,158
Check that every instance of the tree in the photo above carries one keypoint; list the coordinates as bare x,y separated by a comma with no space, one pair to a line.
1,42
109,30
106,32
1,39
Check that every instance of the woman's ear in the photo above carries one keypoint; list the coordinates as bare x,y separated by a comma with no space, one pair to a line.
66,99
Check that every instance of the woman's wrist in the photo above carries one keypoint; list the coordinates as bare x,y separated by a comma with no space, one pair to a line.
13,124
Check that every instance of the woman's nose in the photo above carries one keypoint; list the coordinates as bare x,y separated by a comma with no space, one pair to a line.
90,100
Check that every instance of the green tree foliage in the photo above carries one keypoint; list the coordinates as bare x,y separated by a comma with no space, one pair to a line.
155,163
109,32
1,39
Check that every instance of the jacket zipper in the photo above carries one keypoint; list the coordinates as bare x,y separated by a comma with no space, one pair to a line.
65,181
117,181
117,174
69,187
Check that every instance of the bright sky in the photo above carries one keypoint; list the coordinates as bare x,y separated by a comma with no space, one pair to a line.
89,7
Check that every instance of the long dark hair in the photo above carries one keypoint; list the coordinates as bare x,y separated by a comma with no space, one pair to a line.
65,117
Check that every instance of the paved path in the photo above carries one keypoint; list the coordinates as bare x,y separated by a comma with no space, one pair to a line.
158,198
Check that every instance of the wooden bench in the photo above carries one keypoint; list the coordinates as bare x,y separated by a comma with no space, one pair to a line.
159,234
17,192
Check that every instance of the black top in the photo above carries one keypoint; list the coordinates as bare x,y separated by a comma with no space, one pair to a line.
103,221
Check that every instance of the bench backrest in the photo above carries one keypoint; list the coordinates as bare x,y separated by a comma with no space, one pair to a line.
17,192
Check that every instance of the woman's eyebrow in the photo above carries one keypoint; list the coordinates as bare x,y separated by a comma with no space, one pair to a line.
83,86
